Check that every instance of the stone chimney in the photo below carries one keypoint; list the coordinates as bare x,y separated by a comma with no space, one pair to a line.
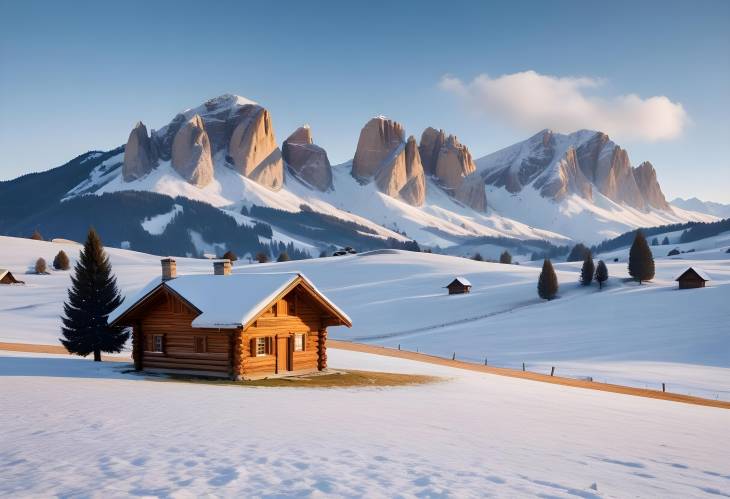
169,269
222,267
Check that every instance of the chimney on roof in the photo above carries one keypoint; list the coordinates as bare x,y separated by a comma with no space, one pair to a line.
169,269
222,267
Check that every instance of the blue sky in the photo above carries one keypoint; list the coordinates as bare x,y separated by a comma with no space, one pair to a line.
76,76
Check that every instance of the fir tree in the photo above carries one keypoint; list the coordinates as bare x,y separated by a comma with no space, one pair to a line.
262,257
578,253
478,257
92,297
60,261
665,241
230,255
283,257
655,242
586,272
40,266
36,236
601,273
641,261
505,257
547,284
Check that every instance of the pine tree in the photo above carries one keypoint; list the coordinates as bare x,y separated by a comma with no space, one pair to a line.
262,257
547,284
578,253
641,261
60,261
665,241
655,242
36,236
92,297
283,257
505,257
230,255
586,272
478,257
40,266
601,273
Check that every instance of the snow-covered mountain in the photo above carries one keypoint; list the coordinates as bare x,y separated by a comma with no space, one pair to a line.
217,169
709,207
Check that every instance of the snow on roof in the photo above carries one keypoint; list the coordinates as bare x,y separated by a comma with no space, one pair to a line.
697,270
3,272
461,280
225,300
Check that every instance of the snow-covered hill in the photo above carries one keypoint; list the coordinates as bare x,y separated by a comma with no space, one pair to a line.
709,207
626,333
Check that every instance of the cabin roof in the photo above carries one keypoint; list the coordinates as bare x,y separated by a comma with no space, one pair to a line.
228,301
3,272
460,280
701,273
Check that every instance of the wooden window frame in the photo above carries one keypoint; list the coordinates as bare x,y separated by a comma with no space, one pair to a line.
265,342
161,348
303,337
204,343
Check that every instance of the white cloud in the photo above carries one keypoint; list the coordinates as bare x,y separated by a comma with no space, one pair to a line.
532,101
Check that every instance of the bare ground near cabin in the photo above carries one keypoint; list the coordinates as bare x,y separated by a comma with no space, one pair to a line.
431,359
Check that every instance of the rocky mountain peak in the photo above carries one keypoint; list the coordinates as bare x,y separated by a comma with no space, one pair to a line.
252,148
306,160
380,138
191,152
648,184
140,154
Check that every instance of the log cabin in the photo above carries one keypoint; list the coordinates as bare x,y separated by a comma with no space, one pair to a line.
242,326
459,286
692,277
7,278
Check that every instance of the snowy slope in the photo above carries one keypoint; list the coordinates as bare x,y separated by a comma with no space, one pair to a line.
473,435
711,208
622,334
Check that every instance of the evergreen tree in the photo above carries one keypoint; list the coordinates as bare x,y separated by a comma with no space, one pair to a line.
641,261
262,257
92,297
60,261
655,242
665,241
547,284
505,257
578,253
36,236
478,257
230,255
586,272
283,257
601,273
40,266
673,252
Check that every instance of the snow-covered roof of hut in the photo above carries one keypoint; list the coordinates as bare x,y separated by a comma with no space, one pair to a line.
461,280
226,301
3,272
697,271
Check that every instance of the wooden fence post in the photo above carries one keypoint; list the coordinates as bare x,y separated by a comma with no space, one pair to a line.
485,361
523,366
664,388
552,371
453,357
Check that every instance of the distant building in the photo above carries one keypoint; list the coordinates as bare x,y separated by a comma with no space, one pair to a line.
7,278
459,286
693,277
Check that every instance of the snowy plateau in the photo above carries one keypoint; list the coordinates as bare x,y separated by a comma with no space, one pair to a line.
67,422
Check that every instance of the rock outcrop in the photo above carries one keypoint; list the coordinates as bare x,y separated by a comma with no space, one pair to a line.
582,163
450,163
252,148
645,176
395,165
191,153
306,160
140,154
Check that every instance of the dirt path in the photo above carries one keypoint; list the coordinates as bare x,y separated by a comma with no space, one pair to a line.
432,359
514,373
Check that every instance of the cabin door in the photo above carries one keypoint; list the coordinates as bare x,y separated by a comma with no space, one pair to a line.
282,354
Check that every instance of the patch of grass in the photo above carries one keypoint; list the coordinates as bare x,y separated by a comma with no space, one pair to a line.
332,379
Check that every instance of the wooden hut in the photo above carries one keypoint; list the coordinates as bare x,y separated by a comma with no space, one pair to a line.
459,286
7,278
242,326
692,277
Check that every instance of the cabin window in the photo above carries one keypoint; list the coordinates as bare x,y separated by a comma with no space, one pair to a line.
300,339
201,344
262,347
158,343
291,305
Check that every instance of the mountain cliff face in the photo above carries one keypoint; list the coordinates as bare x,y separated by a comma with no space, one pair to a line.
384,156
582,163
307,161
191,153
140,154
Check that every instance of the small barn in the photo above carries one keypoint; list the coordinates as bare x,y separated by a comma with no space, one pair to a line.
241,326
692,277
7,278
459,286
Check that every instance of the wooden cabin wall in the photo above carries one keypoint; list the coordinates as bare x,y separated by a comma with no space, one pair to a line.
169,316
